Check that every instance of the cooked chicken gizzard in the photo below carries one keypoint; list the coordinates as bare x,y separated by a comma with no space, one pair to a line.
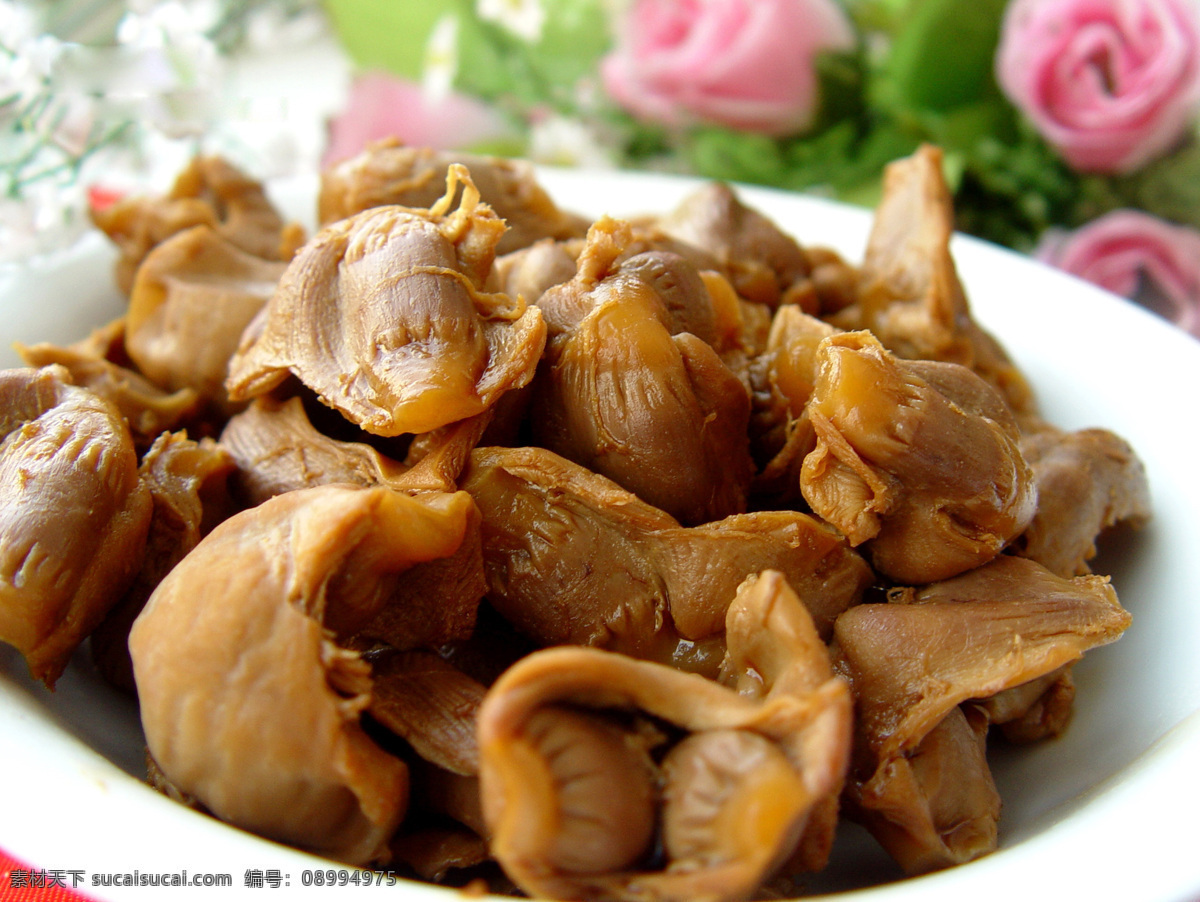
782,379
764,263
384,315
573,558
193,296
633,385
278,449
99,363
918,461
914,660
209,192
74,514
248,704
390,173
591,761
1088,481
188,483
909,293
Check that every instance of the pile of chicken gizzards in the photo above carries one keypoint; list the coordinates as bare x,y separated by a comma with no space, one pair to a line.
597,559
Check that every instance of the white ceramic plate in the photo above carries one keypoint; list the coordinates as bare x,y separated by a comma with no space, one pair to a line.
1107,811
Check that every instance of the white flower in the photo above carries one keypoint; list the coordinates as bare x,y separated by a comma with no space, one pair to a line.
19,22
68,122
272,27
560,141
441,57
524,18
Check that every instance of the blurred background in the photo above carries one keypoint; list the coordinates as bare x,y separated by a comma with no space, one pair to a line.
1069,126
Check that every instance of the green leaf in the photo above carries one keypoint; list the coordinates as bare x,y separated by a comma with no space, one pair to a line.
942,55
1168,187
575,37
843,89
1011,191
725,154
385,35
500,66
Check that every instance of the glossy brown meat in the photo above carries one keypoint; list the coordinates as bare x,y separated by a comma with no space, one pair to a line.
210,192
1036,710
936,806
774,649
1088,481
148,409
430,704
921,784
247,703
388,172
277,449
783,376
189,487
385,317
970,637
763,262
909,292
571,787
74,514
631,387
435,853
917,460
437,602
527,273
193,296
573,558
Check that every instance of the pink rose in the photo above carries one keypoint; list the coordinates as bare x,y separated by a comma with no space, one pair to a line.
1138,256
381,106
1111,84
746,64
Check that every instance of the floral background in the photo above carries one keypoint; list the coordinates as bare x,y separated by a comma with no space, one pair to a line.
1070,127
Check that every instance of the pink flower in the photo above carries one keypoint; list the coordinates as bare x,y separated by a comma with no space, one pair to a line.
746,64
1112,84
1138,256
380,106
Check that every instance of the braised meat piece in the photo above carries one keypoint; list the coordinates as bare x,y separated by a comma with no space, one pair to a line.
1036,710
420,697
210,192
384,316
527,273
278,449
933,647
917,460
247,703
590,761
97,365
1088,481
73,514
774,649
909,293
914,660
188,483
763,262
631,386
573,558
936,805
388,172
783,376
193,296
432,706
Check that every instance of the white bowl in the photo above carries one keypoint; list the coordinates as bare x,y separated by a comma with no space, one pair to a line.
1105,811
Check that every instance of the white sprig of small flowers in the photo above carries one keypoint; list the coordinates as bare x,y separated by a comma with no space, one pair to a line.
122,97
